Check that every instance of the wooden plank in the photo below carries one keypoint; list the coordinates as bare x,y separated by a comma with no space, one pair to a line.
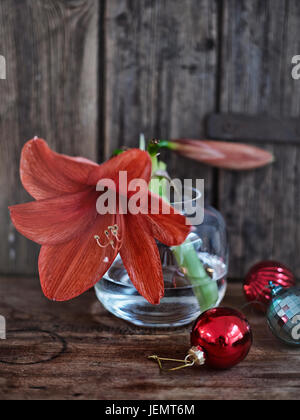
261,207
76,350
51,50
160,74
257,128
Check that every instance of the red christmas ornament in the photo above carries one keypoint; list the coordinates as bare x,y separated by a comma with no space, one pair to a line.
256,284
221,338
224,335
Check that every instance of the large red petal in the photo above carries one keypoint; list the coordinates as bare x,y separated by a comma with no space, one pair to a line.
46,174
56,220
68,270
141,259
170,229
135,162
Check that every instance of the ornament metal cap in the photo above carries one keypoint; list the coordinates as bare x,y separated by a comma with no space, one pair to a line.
275,290
197,356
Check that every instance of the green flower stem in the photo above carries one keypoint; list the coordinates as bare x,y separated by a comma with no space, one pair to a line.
158,184
205,289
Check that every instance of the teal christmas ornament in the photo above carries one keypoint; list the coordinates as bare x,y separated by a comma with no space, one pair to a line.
284,314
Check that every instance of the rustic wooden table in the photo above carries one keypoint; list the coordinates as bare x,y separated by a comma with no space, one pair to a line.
76,350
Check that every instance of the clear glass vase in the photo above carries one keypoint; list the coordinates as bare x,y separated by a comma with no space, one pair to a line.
194,275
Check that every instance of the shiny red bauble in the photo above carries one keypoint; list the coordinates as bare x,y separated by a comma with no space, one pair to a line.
256,284
224,335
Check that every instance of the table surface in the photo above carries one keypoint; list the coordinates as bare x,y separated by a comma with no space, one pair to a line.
76,350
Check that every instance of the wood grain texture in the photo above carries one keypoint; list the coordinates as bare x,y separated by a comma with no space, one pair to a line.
254,128
77,350
161,68
261,207
51,50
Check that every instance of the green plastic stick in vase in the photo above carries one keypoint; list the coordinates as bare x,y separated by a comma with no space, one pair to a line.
205,288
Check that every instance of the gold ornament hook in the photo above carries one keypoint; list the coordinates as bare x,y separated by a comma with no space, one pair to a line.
186,362
195,357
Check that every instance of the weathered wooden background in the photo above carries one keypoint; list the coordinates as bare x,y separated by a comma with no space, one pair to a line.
90,75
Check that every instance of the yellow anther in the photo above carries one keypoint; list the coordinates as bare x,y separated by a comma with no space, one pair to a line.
111,234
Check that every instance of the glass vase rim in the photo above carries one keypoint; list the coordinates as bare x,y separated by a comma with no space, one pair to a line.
190,200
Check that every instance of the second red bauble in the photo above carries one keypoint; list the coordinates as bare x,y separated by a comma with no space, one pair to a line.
256,284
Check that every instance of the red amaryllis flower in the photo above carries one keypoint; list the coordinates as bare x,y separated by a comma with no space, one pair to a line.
78,244
223,154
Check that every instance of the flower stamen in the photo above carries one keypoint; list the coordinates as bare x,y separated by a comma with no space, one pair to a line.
112,235
115,232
